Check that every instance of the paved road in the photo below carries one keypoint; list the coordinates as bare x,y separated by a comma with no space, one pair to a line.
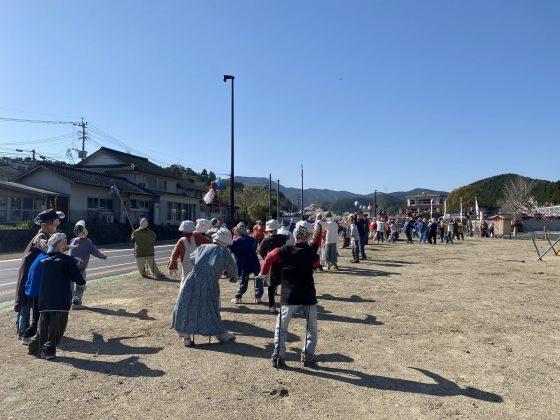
120,260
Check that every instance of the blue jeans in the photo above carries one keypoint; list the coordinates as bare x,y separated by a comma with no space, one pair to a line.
24,316
284,317
363,247
245,283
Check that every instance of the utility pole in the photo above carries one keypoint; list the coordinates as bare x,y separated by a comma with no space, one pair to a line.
82,154
232,191
301,192
270,196
278,200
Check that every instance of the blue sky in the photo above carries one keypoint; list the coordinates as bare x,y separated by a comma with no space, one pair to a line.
386,95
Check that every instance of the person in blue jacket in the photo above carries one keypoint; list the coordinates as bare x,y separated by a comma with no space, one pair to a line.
244,248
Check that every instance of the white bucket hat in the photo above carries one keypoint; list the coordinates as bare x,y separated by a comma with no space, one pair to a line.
202,225
187,226
272,225
224,236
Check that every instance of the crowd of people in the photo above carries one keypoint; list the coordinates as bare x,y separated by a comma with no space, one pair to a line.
52,277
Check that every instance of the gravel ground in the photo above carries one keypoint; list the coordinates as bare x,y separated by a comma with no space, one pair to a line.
469,330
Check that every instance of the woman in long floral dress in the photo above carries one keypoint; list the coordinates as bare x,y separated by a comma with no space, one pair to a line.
197,310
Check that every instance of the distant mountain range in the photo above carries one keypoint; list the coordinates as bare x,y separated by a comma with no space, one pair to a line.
339,201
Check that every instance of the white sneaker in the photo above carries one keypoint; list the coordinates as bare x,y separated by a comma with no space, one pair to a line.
236,300
258,299
272,310
225,337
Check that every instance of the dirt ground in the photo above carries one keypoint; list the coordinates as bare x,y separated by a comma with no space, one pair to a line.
469,330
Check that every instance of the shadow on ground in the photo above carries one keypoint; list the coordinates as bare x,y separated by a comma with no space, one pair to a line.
141,314
353,298
356,270
112,346
442,388
244,328
130,367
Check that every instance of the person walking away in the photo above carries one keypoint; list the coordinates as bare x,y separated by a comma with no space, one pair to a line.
144,249
298,293
407,228
362,225
432,231
460,231
331,239
317,236
380,233
259,232
244,248
272,241
441,227
55,297
345,233
423,230
284,230
184,247
449,234
355,239
81,247
197,309
23,304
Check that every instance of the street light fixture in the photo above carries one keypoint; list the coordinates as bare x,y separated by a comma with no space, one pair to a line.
232,179
29,151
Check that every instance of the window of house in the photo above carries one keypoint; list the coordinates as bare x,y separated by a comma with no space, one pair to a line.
152,183
99,203
424,201
412,202
162,185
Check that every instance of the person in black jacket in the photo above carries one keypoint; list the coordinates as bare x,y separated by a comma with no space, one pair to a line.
272,241
363,231
55,297
49,221
298,292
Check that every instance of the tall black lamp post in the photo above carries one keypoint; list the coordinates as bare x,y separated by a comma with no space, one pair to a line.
232,179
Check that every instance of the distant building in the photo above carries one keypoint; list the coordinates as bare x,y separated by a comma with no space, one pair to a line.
417,204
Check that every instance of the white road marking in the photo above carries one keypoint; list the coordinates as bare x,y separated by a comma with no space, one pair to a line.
118,265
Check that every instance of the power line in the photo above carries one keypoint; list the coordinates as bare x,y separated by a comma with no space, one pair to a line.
23,120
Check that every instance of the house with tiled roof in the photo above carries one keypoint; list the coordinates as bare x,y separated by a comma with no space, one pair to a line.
20,202
86,195
175,199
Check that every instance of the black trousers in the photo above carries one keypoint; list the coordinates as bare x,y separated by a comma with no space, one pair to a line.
52,325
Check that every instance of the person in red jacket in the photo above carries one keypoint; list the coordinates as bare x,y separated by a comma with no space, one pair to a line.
258,231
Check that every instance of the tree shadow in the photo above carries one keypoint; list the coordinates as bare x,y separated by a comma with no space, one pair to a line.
353,298
129,367
442,388
141,314
112,346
